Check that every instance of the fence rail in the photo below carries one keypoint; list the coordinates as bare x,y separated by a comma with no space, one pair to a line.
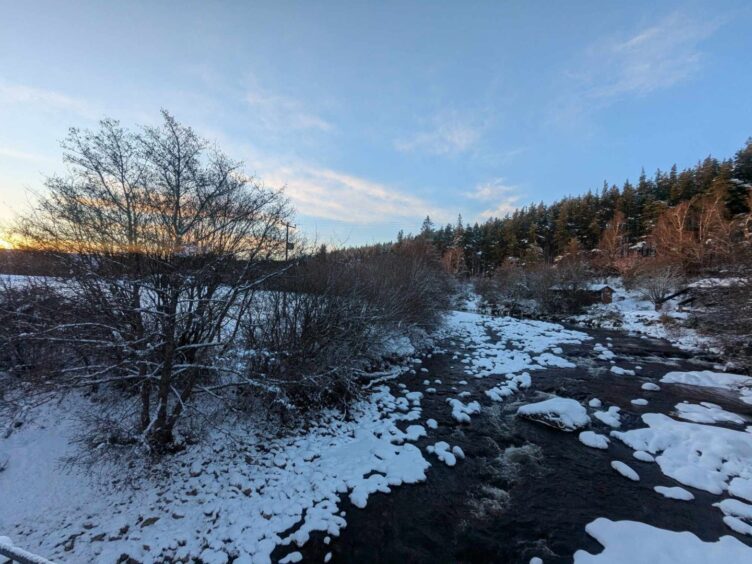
15,554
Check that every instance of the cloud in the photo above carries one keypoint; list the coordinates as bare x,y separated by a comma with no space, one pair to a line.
491,190
45,99
280,113
656,57
7,153
449,134
505,198
329,194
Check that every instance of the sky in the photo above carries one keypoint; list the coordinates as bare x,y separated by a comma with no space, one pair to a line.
372,115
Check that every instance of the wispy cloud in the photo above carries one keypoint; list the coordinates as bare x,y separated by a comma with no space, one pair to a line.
491,190
23,155
12,94
329,194
279,113
656,57
502,198
448,134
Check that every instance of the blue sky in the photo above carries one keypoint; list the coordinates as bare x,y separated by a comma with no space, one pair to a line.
374,114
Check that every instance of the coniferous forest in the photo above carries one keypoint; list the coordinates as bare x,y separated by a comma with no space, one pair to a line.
546,231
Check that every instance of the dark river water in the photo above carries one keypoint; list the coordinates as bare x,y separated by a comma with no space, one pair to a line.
525,489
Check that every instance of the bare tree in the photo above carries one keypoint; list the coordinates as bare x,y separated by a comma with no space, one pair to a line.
657,281
165,241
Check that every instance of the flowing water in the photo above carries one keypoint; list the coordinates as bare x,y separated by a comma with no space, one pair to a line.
526,489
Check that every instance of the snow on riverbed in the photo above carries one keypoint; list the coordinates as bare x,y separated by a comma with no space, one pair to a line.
709,379
629,542
706,412
524,344
700,456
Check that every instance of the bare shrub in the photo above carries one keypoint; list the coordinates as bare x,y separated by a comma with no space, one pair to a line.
164,241
313,335
657,281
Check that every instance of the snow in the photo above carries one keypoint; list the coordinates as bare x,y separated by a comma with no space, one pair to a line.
625,470
526,344
510,387
551,360
7,545
718,282
639,401
250,487
696,455
737,525
674,492
737,515
630,542
593,440
461,412
631,312
736,508
444,454
595,402
643,456
650,387
604,353
610,417
709,379
432,424
706,412
622,371
562,413
741,487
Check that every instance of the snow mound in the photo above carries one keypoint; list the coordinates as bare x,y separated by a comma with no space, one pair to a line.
561,413
610,417
510,387
594,440
674,493
710,379
461,411
706,412
628,542
625,470
445,454
696,455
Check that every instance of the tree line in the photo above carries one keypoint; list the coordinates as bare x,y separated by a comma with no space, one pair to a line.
547,231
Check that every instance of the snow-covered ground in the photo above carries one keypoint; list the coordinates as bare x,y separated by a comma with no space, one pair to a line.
247,490
241,494
631,312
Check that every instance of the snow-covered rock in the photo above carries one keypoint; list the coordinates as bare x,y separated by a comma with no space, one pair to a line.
625,470
674,492
594,440
561,413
